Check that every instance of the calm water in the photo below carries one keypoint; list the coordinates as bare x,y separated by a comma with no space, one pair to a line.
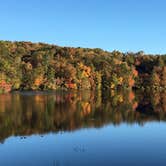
82,128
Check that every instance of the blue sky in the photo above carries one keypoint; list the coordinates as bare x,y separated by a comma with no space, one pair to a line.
125,25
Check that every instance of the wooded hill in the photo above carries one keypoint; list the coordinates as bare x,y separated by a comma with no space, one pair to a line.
39,66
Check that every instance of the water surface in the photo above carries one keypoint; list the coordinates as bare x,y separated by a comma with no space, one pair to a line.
82,128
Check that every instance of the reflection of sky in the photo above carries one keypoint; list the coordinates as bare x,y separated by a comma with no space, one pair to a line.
124,144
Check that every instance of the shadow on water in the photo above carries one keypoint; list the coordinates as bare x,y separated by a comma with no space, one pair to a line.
26,113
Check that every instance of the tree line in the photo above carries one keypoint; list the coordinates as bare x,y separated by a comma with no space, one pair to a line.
40,66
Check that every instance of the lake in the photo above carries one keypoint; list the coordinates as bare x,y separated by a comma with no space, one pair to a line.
82,128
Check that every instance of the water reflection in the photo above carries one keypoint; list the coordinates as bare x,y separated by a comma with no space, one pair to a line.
41,112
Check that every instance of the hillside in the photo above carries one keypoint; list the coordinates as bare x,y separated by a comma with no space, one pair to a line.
39,66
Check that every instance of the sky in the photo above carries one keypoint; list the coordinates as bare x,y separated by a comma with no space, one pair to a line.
124,25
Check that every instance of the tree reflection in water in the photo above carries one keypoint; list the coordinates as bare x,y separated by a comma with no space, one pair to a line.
29,113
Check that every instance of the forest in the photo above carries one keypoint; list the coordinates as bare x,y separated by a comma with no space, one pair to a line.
40,66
